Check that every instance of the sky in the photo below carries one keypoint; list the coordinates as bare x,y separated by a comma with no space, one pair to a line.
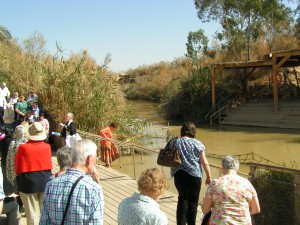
134,32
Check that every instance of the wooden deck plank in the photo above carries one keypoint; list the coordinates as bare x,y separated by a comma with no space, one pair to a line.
117,186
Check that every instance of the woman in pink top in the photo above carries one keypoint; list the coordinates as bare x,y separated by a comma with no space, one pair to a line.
231,198
45,123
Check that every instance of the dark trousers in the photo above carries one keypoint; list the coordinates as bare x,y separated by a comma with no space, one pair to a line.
188,188
1,116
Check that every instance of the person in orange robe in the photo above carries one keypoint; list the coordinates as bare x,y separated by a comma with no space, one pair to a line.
106,146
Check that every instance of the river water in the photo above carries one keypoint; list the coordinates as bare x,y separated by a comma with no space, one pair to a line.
280,146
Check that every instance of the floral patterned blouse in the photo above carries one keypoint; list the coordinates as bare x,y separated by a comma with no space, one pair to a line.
231,195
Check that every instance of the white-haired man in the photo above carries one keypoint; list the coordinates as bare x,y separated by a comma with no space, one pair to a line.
86,203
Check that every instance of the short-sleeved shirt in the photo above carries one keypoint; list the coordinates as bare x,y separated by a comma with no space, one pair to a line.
231,195
22,106
142,210
86,205
190,150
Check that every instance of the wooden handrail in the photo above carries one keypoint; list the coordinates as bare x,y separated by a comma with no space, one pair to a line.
215,113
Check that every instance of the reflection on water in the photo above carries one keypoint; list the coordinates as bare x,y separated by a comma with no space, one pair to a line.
277,145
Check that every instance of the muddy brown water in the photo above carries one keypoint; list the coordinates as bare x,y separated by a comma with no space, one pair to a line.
281,146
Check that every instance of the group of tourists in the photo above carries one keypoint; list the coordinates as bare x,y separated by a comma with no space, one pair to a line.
17,113
73,195
231,199
16,109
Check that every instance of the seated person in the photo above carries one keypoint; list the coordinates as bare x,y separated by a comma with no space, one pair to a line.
143,208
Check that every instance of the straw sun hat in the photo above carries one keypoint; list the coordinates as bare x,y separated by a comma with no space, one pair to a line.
36,132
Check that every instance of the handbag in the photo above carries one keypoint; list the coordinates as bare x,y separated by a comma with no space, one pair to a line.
115,154
69,199
206,218
170,155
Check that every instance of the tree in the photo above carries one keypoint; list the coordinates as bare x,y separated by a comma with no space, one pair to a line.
4,34
196,45
242,21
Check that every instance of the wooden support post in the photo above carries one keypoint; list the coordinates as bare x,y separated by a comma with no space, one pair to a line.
297,199
213,87
275,87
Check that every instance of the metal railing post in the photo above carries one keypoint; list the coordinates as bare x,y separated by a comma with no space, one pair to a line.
142,158
133,155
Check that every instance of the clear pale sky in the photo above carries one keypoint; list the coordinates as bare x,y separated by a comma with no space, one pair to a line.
134,32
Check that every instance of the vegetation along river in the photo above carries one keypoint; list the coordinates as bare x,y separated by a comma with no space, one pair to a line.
279,146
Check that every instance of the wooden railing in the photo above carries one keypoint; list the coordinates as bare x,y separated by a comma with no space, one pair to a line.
123,147
218,114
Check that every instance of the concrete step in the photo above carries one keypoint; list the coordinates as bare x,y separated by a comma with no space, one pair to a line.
262,114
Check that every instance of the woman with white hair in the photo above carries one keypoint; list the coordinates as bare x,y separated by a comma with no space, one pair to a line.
232,199
69,128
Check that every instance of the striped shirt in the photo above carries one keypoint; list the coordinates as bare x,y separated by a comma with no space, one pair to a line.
86,205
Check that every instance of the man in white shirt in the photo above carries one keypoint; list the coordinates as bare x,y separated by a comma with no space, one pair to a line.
4,91
2,107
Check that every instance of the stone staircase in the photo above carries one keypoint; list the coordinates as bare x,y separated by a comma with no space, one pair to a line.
261,114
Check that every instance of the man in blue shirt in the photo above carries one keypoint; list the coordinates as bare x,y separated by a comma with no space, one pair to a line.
86,203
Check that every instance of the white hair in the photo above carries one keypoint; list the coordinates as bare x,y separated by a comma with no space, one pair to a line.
230,162
70,115
81,150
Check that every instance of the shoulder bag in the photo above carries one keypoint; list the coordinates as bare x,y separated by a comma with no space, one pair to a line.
170,155
69,199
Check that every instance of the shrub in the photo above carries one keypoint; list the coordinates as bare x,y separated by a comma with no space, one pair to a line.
276,196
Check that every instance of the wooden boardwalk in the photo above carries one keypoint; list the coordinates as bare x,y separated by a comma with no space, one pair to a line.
117,186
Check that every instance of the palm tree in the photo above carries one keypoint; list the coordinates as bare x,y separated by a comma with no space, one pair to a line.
4,34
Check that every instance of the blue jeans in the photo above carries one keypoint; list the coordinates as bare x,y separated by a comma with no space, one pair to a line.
188,188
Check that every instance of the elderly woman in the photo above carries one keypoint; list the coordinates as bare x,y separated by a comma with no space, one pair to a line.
18,139
69,128
63,156
231,198
143,208
188,176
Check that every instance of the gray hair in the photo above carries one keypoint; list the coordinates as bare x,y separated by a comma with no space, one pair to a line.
229,162
81,150
71,115
63,156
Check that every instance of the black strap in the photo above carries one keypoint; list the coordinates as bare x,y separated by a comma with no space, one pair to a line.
69,199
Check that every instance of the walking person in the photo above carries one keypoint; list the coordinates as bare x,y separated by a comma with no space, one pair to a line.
69,128
86,205
106,145
33,164
188,176
232,199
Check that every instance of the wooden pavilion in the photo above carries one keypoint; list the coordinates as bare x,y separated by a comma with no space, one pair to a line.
277,60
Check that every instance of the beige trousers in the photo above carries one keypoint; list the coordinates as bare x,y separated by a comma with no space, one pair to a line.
33,206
